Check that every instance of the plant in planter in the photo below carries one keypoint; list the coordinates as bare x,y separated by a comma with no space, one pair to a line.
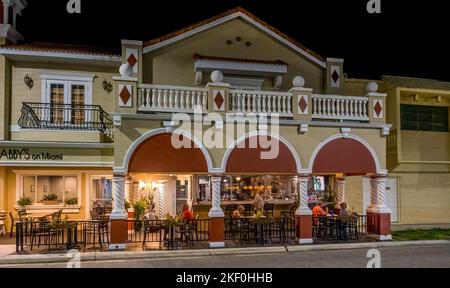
73,201
24,202
139,211
50,199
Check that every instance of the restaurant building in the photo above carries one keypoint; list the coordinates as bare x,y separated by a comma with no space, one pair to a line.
91,124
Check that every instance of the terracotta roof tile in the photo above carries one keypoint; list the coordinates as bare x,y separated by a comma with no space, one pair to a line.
229,59
63,48
222,15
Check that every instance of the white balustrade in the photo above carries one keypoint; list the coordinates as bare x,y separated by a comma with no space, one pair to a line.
247,101
340,107
158,98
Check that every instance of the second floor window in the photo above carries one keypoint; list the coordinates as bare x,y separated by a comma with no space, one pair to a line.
66,98
424,118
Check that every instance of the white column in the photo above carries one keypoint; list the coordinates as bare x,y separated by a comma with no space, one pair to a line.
162,199
340,195
303,209
128,188
378,195
6,4
216,210
119,197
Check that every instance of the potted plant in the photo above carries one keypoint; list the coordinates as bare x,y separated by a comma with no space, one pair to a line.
23,202
72,202
139,211
50,199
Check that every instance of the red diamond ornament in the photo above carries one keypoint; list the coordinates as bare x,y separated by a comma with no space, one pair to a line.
378,109
132,60
219,100
335,76
125,95
302,104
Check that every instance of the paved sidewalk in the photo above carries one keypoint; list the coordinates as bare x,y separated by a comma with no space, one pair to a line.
108,256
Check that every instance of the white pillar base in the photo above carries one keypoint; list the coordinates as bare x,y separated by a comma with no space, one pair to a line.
379,209
118,216
216,213
305,241
117,247
217,245
303,211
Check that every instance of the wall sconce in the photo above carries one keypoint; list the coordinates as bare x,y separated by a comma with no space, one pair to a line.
107,86
28,81
142,185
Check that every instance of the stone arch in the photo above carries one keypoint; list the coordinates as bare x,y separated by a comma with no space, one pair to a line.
345,154
156,145
248,161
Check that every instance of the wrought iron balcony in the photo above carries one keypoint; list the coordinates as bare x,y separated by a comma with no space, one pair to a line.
48,116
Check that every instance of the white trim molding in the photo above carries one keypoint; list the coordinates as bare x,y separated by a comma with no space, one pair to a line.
347,136
132,42
235,144
155,132
231,17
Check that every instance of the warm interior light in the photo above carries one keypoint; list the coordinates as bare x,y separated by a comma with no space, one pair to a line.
142,184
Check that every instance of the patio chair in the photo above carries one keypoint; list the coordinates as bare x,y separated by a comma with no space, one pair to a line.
268,210
43,231
3,224
13,222
152,227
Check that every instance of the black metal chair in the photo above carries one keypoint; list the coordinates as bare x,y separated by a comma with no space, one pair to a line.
268,210
3,224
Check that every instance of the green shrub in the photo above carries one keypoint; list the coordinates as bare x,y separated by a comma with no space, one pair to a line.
25,202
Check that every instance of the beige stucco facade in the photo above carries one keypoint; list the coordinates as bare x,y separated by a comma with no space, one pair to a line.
418,161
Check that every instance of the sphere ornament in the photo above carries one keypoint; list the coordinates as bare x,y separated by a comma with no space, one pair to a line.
126,70
372,87
298,81
217,76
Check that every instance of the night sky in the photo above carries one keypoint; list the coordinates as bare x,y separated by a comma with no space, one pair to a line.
406,39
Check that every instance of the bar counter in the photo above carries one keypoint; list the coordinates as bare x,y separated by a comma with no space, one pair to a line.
202,208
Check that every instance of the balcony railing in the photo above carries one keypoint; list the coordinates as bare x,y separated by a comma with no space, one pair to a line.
157,98
48,116
246,101
172,99
340,108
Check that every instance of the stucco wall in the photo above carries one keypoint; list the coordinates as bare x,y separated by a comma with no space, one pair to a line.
425,146
424,198
21,93
303,144
174,65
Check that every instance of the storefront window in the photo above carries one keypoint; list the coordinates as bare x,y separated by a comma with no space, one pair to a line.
39,187
101,190
244,188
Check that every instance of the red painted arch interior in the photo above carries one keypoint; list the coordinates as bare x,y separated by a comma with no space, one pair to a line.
344,156
157,155
248,160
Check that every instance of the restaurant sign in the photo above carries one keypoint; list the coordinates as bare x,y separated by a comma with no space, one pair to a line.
26,154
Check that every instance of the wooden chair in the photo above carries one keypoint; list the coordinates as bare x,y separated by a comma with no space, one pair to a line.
13,222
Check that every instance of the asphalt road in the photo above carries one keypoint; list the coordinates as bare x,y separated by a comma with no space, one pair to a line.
437,256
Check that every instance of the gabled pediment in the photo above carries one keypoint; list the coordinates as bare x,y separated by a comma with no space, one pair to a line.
246,17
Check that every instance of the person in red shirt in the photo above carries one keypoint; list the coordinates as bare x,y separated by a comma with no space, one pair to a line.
318,211
187,214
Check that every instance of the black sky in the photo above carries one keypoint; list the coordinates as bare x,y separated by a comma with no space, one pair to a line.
408,38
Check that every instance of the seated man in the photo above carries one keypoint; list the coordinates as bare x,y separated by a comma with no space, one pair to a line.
187,214
318,211
239,212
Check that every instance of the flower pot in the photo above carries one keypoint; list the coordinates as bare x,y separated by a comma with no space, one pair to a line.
53,202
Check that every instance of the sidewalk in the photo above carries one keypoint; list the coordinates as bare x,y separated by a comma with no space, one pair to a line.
104,256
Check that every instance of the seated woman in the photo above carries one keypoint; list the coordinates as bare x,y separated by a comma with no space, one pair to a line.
187,214
239,212
344,211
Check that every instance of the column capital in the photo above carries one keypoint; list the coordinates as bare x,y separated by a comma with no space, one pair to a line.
119,174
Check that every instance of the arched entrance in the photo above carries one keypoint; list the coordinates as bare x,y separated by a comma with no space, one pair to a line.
156,168
342,156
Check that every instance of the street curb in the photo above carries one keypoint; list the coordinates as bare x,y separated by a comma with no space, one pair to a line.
372,245
140,255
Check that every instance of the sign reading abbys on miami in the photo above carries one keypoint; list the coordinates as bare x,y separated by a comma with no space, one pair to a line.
25,154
